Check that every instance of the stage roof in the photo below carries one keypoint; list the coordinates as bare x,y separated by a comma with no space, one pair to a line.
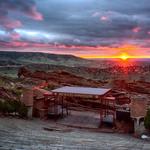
82,90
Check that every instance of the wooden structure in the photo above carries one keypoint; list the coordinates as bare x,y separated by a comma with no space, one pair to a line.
107,104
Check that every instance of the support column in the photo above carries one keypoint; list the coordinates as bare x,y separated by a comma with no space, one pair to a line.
67,111
55,104
136,125
30,112
101,111
62,105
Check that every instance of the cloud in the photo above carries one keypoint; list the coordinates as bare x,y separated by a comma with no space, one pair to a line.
104,18
75,25
14,36
25,7
136,29
34,14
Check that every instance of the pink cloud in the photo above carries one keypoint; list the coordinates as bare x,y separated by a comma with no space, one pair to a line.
35,14
25,7
15,36
104,18
11,24
136,29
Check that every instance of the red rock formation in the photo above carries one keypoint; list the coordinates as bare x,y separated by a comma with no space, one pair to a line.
57,77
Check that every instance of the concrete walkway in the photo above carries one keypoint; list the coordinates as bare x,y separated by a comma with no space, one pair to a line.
16,134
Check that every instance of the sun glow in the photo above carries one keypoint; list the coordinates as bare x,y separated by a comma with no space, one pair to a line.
124,56
124,52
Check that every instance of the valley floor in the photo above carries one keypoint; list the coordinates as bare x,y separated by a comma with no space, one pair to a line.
17,134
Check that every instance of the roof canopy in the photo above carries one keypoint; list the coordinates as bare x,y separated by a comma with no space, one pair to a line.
82,91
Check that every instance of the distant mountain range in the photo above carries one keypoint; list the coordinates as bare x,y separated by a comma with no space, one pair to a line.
24,58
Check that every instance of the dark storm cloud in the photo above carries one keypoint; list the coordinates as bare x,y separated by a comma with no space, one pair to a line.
76,18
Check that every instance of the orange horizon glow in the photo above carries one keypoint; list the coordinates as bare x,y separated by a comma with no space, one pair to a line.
114,57
125,52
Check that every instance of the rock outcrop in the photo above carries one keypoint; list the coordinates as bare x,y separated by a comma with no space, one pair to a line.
57,77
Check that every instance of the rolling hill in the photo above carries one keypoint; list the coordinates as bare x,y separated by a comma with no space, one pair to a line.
23,58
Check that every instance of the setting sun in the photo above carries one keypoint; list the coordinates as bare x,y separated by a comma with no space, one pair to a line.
124,56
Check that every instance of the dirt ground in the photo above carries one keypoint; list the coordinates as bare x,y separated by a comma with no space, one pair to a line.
18,134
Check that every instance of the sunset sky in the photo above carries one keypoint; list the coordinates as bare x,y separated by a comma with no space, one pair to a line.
85,28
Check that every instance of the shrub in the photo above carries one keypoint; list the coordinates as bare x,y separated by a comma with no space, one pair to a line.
16,105
147,120
9,108
1,106
4,107
17,92
13,107
50,87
